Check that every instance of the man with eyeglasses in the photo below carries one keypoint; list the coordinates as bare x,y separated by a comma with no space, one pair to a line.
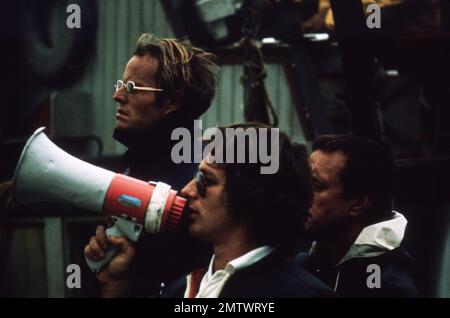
253,222
166,84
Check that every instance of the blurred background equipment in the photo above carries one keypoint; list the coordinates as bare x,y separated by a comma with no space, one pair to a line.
213,23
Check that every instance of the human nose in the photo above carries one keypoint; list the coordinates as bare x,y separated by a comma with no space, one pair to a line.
120,95
190,190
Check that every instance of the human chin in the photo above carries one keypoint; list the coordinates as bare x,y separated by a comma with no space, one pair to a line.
122,121
309,220
195,230
122,125
127,123
308,225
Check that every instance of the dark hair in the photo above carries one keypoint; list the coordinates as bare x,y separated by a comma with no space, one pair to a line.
274,206
368,170
183,69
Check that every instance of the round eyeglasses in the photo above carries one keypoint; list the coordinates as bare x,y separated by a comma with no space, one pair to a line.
131,87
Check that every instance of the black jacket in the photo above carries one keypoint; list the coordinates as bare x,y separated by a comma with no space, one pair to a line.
274,276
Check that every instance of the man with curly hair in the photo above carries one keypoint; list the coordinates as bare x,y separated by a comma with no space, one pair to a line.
251,219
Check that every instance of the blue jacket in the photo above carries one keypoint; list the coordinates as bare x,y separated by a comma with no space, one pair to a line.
379,245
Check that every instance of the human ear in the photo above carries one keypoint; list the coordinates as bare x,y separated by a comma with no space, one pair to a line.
173,103
359,205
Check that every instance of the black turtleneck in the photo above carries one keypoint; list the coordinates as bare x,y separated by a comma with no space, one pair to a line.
149,154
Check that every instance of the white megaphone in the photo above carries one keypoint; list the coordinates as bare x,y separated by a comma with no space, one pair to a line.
47,174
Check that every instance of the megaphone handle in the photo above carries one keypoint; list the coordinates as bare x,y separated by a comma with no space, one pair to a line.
96,266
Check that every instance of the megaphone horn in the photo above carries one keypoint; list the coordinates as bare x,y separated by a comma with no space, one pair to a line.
46,173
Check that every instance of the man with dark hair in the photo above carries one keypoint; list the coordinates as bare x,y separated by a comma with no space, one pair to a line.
252,221
357,249
166,84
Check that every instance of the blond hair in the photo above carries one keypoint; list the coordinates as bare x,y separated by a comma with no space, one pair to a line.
184,69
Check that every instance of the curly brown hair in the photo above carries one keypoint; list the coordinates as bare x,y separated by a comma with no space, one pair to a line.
274,206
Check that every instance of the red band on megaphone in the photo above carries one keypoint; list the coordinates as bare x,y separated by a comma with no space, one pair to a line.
128,196
173,212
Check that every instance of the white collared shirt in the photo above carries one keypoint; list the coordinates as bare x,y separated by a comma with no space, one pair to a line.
212,283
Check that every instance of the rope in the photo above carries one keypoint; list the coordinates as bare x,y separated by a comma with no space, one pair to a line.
257,104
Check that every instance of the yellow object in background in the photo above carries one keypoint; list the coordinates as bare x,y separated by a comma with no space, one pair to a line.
424,20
